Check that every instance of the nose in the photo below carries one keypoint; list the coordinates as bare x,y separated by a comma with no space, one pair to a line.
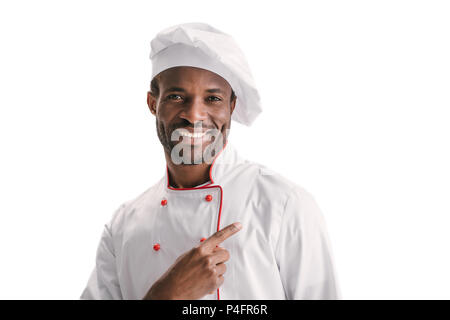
194,110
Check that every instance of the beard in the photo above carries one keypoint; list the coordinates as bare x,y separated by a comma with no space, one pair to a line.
197,155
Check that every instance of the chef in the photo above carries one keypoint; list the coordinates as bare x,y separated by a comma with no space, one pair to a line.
216,226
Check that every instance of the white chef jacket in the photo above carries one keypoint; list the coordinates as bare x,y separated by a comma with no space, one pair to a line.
282,252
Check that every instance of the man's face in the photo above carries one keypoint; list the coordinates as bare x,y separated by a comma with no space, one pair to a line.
189,97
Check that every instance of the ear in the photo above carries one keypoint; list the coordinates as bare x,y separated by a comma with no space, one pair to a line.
151,102
233,104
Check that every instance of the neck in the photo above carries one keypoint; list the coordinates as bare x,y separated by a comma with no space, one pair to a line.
186,176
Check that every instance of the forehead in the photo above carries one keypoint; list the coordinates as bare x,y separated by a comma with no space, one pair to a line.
191,76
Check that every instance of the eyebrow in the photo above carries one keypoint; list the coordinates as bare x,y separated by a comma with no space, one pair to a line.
179,89
175,89
214,90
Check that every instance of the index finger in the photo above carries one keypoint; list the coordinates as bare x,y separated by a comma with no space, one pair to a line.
222,235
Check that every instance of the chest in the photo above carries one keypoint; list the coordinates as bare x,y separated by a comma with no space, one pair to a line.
177,221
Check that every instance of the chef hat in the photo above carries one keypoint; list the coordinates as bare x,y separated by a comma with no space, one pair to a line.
202,46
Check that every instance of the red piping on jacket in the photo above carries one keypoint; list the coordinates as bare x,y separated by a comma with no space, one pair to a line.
208,186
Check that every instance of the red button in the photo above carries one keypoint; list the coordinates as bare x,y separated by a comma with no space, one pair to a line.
202,239
163,202
208,197
156,247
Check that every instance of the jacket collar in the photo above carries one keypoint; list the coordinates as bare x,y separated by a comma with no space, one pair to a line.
223,162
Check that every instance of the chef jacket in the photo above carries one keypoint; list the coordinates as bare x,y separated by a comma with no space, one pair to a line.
282,252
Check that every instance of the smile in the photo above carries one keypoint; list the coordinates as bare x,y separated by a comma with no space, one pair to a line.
185,133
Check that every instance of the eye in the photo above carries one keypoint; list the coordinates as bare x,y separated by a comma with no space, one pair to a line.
174,97
214,98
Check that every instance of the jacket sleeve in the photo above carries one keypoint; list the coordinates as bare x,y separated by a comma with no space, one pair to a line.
303,250
103,283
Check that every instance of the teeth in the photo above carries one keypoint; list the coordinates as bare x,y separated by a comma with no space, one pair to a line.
192,135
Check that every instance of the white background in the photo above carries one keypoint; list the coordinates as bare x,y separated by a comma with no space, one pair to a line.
356,110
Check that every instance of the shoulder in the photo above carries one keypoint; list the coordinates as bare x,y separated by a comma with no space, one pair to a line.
270,182
271,190
131,207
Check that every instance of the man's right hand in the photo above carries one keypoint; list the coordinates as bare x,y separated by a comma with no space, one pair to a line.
196,272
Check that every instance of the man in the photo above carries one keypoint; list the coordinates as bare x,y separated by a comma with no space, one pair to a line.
216,226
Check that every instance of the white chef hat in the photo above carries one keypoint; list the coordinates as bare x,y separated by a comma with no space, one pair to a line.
202,46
